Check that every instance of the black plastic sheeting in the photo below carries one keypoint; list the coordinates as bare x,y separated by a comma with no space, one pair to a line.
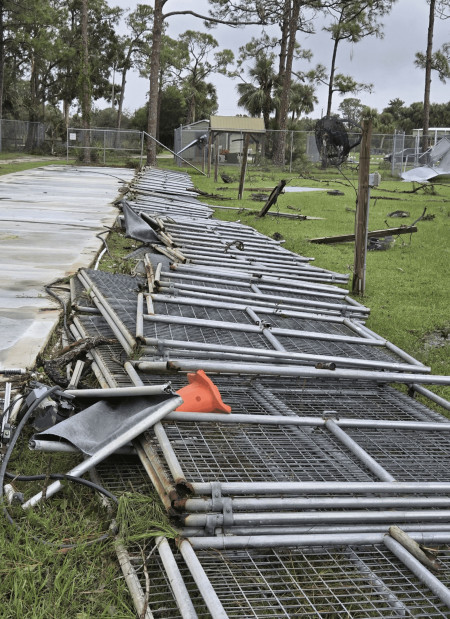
136,228
99,424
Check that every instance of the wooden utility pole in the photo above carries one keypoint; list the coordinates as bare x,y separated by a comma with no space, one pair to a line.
216,158
362,211
243,165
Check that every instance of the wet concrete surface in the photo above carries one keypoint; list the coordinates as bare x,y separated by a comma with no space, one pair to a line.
49,217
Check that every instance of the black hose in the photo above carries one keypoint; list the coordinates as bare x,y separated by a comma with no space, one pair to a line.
4,473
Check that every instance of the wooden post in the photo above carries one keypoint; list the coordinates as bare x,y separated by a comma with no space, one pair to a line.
216,158
210,139
243,165
362,211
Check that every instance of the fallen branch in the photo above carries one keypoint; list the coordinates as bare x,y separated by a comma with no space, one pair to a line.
345,238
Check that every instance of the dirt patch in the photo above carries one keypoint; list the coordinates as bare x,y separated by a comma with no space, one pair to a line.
438,338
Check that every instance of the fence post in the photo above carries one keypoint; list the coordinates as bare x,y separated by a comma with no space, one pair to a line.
243,165
362,211
67,144
142,149
292,150
104,147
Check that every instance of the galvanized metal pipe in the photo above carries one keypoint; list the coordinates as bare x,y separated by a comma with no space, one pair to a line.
202,581
295,503
164,408
255,368
60,447
245,305
278,419
431,396
176,581
418,569
121,392
358,451
140,317
305,371
169,455
228,542
322,487
276,517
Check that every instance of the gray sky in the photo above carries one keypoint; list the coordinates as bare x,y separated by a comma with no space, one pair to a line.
388,63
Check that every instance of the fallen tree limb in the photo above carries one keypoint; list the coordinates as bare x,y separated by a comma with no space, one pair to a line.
345,238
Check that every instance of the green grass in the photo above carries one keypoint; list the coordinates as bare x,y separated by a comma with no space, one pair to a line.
407,286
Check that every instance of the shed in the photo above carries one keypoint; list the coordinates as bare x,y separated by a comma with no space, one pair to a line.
227,134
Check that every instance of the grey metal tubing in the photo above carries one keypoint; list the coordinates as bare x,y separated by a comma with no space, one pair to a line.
354,302
322,487
60,447
140,317
120,392
395,604
202,581
112,320
246,305
226,542
269,336
362,332
169,454
132,580
285,354
175,578
322,517
278,419
207,276
419,570
431,396
269,279
404,355
334,309
154,474
295,503
86,310
311,530
200,354
358,451
307,371
110,448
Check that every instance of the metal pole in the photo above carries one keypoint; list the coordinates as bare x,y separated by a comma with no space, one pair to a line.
265,541
121,392
358,451
301,371
176,581
202,581
419,570
323,487
110,448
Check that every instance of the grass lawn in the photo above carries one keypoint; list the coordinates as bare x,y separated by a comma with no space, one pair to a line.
407,286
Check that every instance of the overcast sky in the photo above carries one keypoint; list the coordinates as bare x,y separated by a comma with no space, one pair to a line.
388,63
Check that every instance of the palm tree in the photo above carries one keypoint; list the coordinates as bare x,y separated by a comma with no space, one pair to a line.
256,96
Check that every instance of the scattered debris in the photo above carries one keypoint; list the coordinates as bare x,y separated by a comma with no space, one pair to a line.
272,198
345,238
259,197
277,236
226,178
375,244
398,214
335,192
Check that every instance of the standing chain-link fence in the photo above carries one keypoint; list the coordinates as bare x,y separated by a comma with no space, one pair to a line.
300,149
105,146
21,135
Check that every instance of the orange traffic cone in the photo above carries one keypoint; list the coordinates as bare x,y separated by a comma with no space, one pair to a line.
201,395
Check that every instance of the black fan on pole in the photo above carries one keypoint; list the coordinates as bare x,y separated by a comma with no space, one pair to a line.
332,140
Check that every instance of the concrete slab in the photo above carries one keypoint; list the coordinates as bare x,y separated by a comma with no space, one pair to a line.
49,217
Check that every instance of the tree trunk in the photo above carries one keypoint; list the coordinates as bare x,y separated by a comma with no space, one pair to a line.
2,67
85,83
121,98
152,122
332,71
279,154
428,60
283,50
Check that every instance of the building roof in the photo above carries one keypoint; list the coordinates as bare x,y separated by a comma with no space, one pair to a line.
237,123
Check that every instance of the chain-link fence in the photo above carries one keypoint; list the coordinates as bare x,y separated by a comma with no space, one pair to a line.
21,135
106,146
300,149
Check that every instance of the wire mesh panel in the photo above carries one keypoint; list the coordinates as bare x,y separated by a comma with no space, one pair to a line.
317,582
261,453
408,455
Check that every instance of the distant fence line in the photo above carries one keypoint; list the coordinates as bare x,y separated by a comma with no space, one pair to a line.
400,150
